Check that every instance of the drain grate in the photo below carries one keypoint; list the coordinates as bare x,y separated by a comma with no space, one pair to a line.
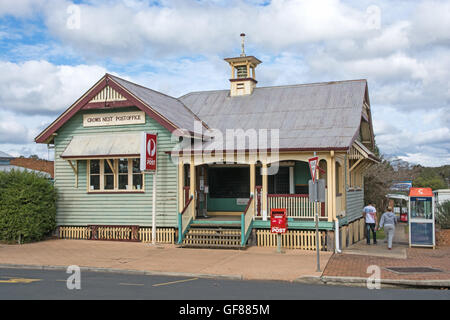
413,269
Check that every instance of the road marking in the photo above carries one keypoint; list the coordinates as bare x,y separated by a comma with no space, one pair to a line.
173,282
131,284
19,280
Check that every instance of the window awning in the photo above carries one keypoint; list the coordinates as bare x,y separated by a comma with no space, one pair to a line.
103,146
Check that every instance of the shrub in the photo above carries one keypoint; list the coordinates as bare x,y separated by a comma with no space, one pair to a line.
27,206
443,214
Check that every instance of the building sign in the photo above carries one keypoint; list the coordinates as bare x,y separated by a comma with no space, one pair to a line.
401,185
241,201
278,221
148,152
113,119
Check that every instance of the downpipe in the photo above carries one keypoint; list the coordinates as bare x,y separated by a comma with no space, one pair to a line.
336,235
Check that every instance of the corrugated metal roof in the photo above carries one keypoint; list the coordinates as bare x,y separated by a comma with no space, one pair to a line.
321,115
112,145
8,168
169,107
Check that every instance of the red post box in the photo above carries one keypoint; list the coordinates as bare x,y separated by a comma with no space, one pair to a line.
278,221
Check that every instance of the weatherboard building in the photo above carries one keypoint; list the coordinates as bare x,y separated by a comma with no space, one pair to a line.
207,193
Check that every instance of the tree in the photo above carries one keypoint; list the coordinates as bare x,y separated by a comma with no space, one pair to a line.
380,177
434,183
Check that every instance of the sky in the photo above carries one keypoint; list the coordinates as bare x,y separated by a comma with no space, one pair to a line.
52,51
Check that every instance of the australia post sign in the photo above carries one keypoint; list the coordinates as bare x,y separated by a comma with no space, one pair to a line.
278,221
148,151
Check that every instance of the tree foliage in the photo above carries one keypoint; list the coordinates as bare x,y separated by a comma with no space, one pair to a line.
27,206
443,214
434,183
380,177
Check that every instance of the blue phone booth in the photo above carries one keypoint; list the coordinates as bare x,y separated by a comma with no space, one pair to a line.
421,218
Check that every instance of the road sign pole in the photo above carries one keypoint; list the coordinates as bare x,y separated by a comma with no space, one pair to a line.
279,242
316,185
154,209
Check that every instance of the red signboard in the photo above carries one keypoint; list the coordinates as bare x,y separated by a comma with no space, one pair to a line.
148,152
420,192
278,221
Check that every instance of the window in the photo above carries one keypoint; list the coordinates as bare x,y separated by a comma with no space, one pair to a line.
279,183
115,175
241,71
137,175
94,169
108,174
338,178
123,174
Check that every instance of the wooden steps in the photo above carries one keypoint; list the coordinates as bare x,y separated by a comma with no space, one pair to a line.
213,237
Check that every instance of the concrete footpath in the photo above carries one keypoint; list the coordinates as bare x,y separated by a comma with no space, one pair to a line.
254,263
400,266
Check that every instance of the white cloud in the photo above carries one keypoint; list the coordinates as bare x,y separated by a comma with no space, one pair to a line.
177,46
39,87
431,23
126,29
20,8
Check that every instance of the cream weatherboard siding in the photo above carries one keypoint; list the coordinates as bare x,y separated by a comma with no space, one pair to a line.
75,206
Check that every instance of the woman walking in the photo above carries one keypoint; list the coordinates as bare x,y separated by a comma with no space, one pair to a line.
388,221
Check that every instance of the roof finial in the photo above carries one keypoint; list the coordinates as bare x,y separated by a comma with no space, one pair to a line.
243,44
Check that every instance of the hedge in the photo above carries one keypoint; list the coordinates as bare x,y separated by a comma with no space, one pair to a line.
27,206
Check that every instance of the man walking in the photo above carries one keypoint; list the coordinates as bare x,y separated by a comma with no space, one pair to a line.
370,215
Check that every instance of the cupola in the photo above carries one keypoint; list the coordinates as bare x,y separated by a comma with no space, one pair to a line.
243,78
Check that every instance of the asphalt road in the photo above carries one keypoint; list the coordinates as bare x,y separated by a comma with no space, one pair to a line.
43,284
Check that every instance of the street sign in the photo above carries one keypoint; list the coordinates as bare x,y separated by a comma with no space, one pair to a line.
278,221
313,162
148,151
316,190
148,164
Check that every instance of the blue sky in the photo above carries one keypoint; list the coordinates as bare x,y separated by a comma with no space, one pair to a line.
51,51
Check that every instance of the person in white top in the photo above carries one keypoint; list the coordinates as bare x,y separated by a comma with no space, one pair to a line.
370,215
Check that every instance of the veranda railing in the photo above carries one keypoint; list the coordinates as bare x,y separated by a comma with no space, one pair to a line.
297,205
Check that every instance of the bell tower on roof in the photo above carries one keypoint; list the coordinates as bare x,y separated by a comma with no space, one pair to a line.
243,78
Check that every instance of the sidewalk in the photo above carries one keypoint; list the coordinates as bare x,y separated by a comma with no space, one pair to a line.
253,263
354,261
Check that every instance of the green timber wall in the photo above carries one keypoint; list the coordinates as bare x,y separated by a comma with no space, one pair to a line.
75,206
355,204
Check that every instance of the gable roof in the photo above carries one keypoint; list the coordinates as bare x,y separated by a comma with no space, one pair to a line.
309,116
166,110
169,107
317,116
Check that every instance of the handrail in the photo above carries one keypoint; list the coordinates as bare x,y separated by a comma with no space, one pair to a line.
248,204
246,220
187,205
185,220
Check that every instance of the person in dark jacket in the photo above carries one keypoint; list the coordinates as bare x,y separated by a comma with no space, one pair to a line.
388,221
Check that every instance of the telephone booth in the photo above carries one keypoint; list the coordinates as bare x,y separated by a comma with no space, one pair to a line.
421,217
